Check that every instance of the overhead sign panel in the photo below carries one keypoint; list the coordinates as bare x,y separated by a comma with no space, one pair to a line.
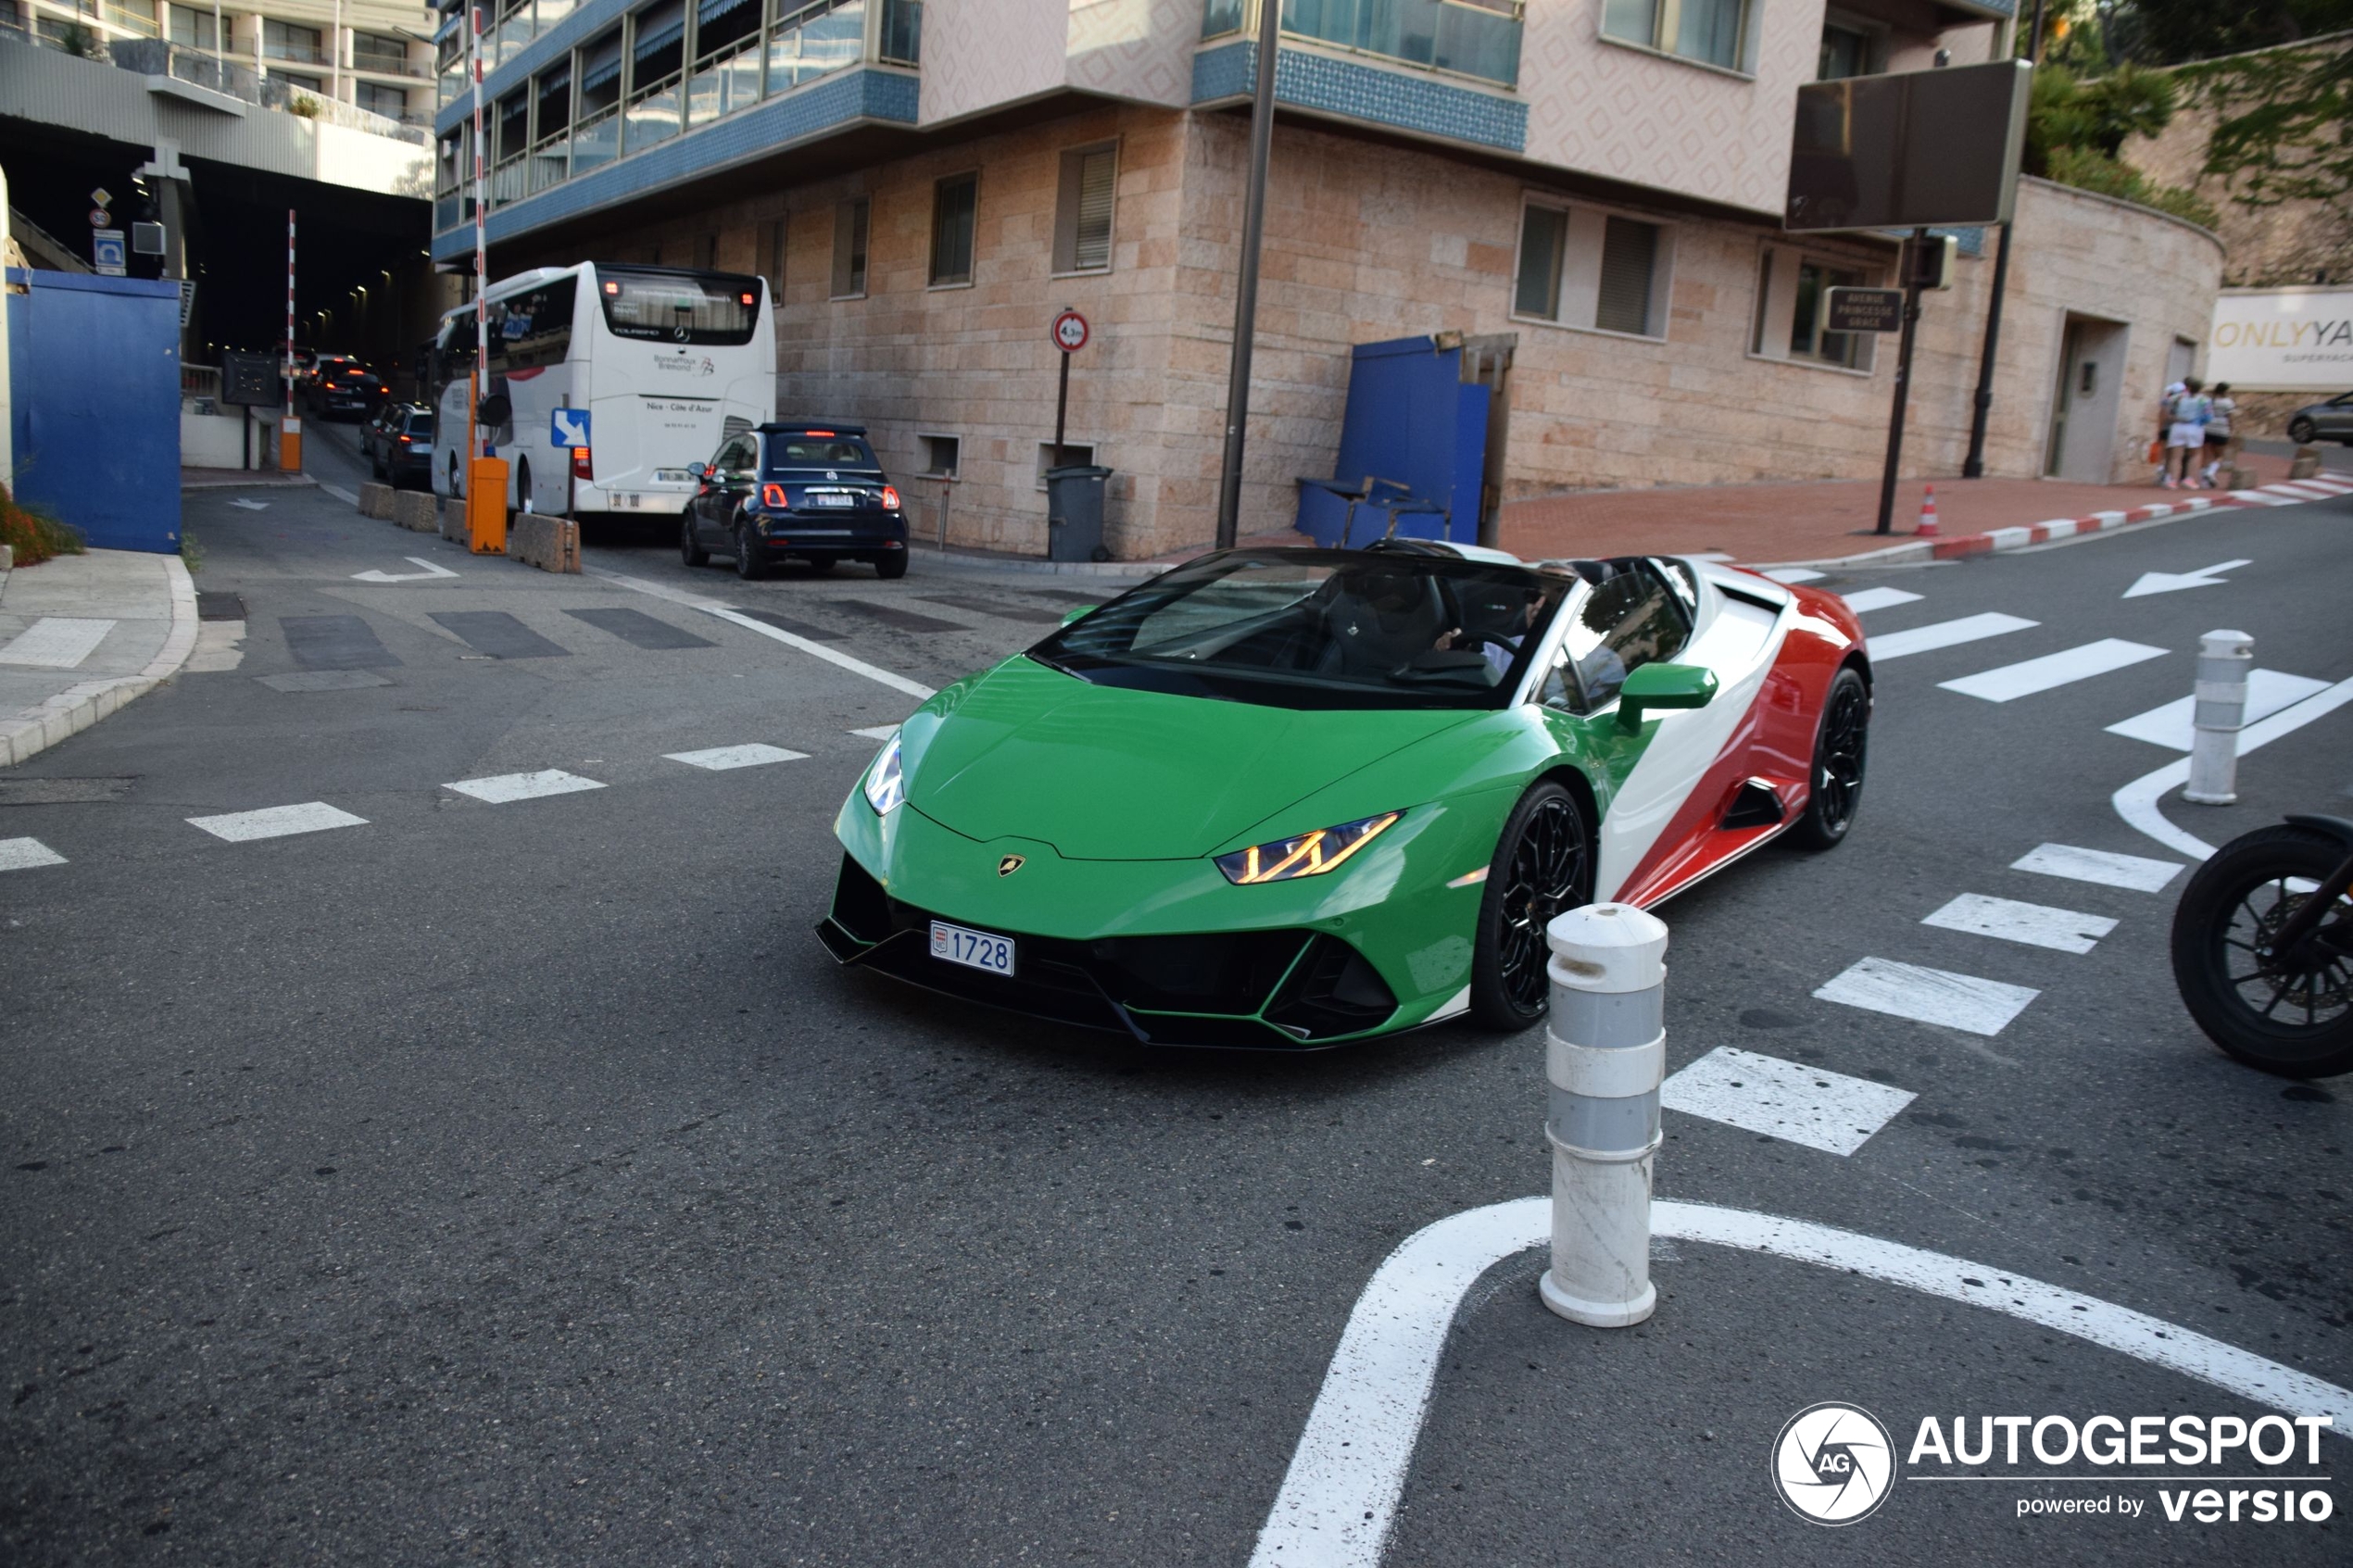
2282,340
1925,148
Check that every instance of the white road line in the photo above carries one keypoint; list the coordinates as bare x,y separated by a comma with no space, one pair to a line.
56,642
1945,634
2037,925
1339,1498
2303,488
25,854
2261,499
277,822
2136,802
1783,1099
2268,691
879,731
1928,995
1870,599
1795,574
2030,676
721,757
430,570
502,787
773,633
2104,867
338,492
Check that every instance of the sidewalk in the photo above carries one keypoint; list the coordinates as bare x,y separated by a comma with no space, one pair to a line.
80,635
1817,523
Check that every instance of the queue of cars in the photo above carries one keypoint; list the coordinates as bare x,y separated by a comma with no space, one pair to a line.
397,443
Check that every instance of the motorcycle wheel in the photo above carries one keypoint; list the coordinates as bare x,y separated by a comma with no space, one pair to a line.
2292,1019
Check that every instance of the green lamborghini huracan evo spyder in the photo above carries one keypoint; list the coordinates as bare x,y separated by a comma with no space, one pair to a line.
1290,797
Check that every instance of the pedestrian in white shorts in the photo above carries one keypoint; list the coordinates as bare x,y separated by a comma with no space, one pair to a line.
2186,419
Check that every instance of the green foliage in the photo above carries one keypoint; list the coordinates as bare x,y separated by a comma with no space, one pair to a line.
76,39
32,533
2284,130
2089,170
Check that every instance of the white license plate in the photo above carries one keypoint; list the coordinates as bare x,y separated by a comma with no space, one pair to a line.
831,500
974,949
674,476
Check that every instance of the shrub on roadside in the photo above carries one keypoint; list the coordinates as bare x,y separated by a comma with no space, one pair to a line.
33,534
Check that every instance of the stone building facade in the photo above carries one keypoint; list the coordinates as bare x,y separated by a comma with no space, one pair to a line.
1661,318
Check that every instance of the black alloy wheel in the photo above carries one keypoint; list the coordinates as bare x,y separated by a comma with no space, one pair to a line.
2289,1013
1543,866
2301,431
748,565
690,549
1841,746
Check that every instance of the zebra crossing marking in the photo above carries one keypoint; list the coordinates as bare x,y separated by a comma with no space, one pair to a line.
276,822
2027,677
1945,635
2104,867
2010,919
1928,996
1783,1099
26,854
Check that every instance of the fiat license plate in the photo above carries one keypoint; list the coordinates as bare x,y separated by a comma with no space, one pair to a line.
974,949
827,498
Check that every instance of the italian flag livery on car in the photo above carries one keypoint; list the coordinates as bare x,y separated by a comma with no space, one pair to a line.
1290,797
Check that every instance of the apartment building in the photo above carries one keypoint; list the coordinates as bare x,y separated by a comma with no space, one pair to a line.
1596,183
375,55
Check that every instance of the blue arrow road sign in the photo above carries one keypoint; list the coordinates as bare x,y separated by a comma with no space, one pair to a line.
567,427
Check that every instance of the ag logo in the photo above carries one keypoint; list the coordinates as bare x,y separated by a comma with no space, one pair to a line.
1011,864
1833,1463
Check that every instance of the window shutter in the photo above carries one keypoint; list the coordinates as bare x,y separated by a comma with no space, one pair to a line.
1630,256
1095,179
1544,235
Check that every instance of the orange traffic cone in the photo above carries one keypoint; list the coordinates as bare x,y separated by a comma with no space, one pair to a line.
1927,529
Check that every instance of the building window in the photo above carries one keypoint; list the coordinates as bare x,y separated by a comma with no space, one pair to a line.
193,29
374,51
1847,51
1712,32
850,219
284,41
294,79
1075,454
390,102
1793,314
773,255
955,213
1082,215
1580,267
941,456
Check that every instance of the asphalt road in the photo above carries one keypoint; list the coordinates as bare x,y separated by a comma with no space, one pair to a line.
520,1182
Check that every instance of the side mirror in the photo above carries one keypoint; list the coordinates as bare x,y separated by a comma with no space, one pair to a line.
495,410
1663,686
1071,615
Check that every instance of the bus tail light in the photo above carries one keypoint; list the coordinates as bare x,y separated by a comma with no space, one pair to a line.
891,498
582,466
774,496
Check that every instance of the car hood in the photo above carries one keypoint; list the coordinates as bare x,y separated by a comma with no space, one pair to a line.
1105,774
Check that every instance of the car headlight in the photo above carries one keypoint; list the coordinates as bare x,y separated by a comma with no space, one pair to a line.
1306,854
886,786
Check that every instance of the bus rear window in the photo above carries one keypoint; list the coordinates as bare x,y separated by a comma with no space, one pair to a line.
707,307
819,452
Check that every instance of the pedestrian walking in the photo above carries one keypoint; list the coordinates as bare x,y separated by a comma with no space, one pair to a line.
2186,414
2164,427
2221,446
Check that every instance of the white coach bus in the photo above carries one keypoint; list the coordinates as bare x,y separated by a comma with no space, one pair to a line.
668,362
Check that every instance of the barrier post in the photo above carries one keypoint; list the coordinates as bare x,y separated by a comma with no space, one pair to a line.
486,505
2218,712
1606,1055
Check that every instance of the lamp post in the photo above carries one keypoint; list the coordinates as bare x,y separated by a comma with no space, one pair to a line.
1981,404
1262,139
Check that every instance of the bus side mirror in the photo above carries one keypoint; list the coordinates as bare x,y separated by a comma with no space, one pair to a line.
495,410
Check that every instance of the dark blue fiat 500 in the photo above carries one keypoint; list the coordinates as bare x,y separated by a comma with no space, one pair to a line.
795,492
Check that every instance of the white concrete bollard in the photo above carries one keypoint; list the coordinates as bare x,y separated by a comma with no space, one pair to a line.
2218,712
1606,1054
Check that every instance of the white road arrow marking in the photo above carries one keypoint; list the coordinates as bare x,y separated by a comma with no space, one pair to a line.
250,506
430,570
2174,582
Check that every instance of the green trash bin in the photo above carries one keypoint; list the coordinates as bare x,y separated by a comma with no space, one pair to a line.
1075,512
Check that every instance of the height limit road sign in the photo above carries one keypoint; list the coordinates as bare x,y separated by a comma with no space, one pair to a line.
1070,332
1866,310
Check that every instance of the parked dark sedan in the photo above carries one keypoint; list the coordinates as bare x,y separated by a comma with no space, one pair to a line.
351,392
797,492
399,443
2332,421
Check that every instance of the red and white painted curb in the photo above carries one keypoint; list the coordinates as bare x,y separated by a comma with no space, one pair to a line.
2288,493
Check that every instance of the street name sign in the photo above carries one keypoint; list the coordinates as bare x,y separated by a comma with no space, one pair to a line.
1866,310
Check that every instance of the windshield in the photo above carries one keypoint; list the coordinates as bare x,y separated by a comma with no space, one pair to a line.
705,308
1318,629
818,452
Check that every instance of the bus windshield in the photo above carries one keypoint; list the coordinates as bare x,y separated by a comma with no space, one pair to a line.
697,308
